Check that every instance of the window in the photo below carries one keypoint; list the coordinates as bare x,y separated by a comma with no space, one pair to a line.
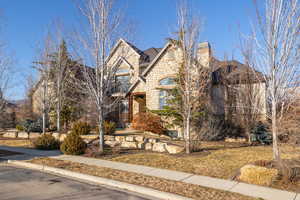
122,83
163,99
123,71
167,81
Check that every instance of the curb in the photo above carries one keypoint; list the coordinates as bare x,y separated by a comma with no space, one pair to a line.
102,181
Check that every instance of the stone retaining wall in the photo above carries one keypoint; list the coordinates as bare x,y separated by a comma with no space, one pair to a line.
141,142
129,141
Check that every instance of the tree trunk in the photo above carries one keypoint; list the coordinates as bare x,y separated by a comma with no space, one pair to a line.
101,133
44,108
44,122
58,117
248,134
187,136
276,152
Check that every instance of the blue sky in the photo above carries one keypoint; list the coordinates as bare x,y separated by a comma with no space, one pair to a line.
26,21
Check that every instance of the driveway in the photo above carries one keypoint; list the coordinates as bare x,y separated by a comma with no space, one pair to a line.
24,184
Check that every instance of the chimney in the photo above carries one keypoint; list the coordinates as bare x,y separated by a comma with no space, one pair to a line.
204,53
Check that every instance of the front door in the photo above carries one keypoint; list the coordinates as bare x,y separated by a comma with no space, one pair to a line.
124,112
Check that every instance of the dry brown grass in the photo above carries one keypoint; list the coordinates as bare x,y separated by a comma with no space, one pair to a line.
219,160
184,189
15,142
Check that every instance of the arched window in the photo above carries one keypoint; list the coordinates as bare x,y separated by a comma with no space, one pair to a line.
167,81
123,71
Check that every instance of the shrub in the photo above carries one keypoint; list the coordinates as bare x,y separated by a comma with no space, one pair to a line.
46,142
260,134
81,128
109,128
195,145
148,122
32,125
20,127
73,144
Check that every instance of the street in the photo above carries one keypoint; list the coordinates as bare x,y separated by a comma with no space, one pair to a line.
24,184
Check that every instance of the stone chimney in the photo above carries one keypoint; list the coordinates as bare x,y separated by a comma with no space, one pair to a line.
204,53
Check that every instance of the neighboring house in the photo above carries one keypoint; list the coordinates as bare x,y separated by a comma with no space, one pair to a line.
8,116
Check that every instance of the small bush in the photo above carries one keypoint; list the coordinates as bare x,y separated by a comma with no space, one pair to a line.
195,145
73,144
46,142
32,125
109,128
81,128
260,134
148,122
19,127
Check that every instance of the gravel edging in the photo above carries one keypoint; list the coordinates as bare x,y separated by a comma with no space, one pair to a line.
102,181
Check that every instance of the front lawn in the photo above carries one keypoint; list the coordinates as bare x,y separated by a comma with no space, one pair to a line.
218,159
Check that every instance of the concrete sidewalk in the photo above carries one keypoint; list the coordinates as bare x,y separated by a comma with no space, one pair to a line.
205,181
216,183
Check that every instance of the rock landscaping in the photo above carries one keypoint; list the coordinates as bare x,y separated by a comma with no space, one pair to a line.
141,142
128,141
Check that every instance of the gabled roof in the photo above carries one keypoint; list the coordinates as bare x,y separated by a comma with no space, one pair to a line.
234,72
150,66
120,41
150,53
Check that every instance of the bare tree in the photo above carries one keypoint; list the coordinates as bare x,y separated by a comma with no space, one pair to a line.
193,80
245,91
61,70
104,29
277,55
6,74
43,65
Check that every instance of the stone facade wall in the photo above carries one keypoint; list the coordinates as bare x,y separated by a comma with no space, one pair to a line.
129,55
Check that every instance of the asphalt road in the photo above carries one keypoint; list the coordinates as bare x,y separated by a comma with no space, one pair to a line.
25,184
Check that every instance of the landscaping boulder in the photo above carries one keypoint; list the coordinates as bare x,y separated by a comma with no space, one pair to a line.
62,137
126,144
55,135
257,175
152,140
165,137
111,143
148,146
173,149
120,138
139,138
109,138
129,138
23,135
10,134
141,145
34,135
159,147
